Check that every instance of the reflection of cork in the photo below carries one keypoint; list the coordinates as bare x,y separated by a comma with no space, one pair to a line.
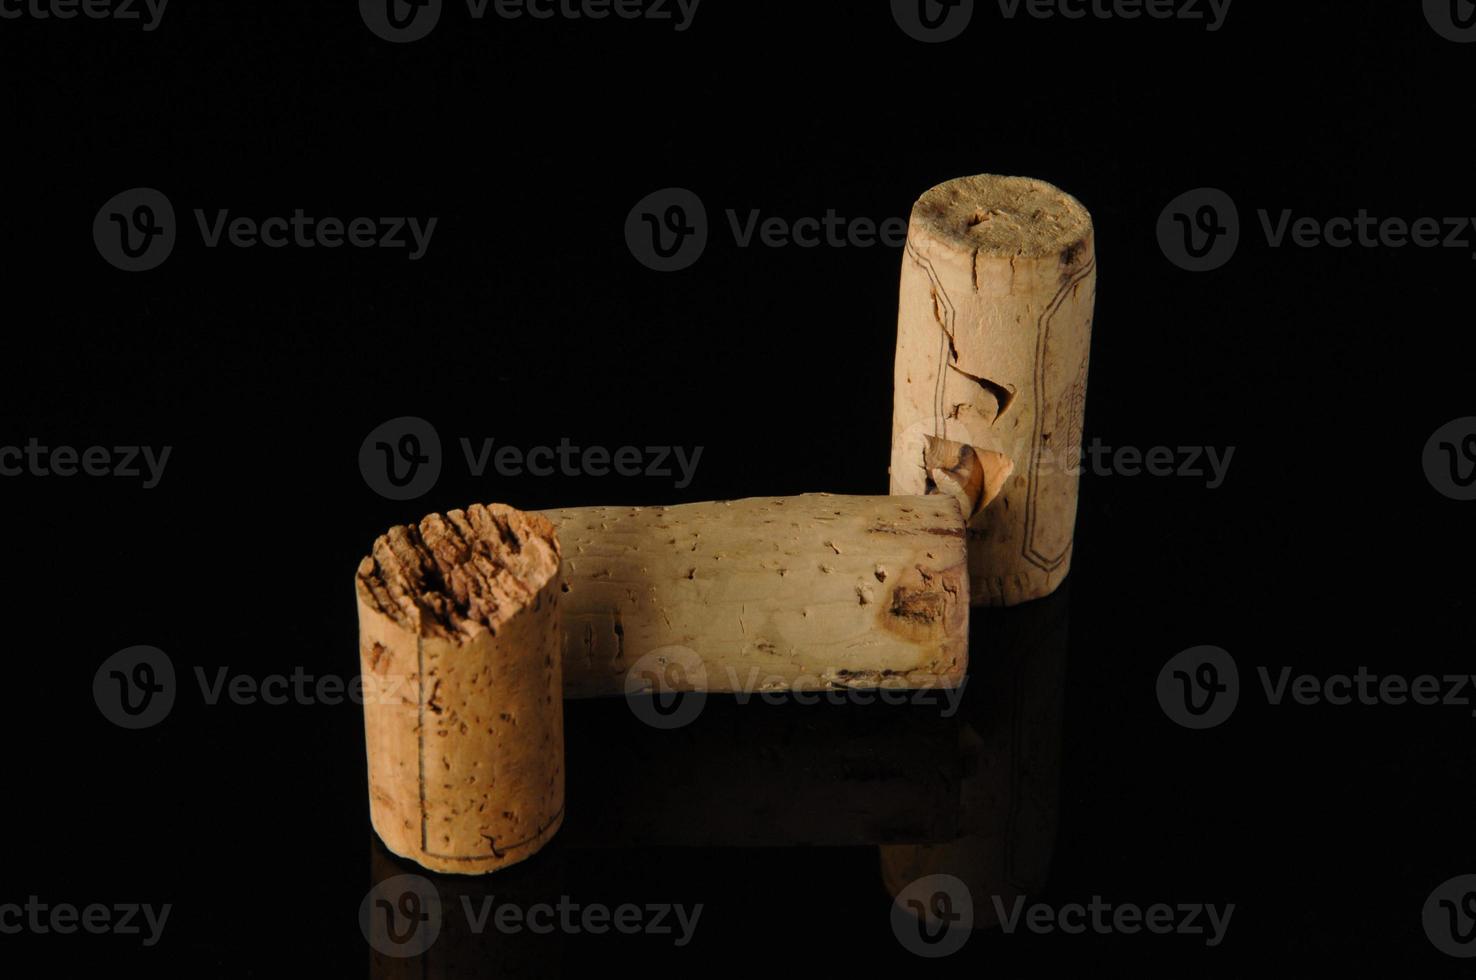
467,942
1010,747
844,771
993,330
463,709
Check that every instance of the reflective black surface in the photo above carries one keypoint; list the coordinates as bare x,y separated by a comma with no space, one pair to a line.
1333,829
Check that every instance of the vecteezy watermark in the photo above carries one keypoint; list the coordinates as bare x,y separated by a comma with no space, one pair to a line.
655,462
136,231
935,21
301,687
1200,230
1208,463
1104,918
1072,457
135,688
1449,917
571,918
403,21
1210,13
403,916
34,459
65,919
1366,688
667,230
1450,459
1454,20
147,13
1200,687
666,688
933,916
401,459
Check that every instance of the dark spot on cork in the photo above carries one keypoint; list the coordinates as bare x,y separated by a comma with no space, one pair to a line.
923,606
1071,253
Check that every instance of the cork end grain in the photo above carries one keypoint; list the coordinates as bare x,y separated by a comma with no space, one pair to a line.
1004,217
459,575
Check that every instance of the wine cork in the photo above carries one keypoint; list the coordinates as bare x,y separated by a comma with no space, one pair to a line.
463,712
993,335
814,592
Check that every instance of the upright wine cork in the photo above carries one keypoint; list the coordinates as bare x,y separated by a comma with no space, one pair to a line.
463,709
812,592
993,332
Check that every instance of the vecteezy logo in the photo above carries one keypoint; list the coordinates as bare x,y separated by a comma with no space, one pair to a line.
401,459
135,230
1454,20
667,230
401,916
1199,688
401,21
134,688
933,21
1200,230
1450,459
1450,917
665,688
933,916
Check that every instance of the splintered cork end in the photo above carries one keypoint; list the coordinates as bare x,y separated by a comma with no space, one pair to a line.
457,575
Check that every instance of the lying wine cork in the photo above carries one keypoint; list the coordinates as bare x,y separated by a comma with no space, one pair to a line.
774,593
463,707
993,331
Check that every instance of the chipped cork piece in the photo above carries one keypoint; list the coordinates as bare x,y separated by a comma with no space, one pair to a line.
993,339
459,643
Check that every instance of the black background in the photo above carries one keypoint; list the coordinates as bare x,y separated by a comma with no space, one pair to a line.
528,320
